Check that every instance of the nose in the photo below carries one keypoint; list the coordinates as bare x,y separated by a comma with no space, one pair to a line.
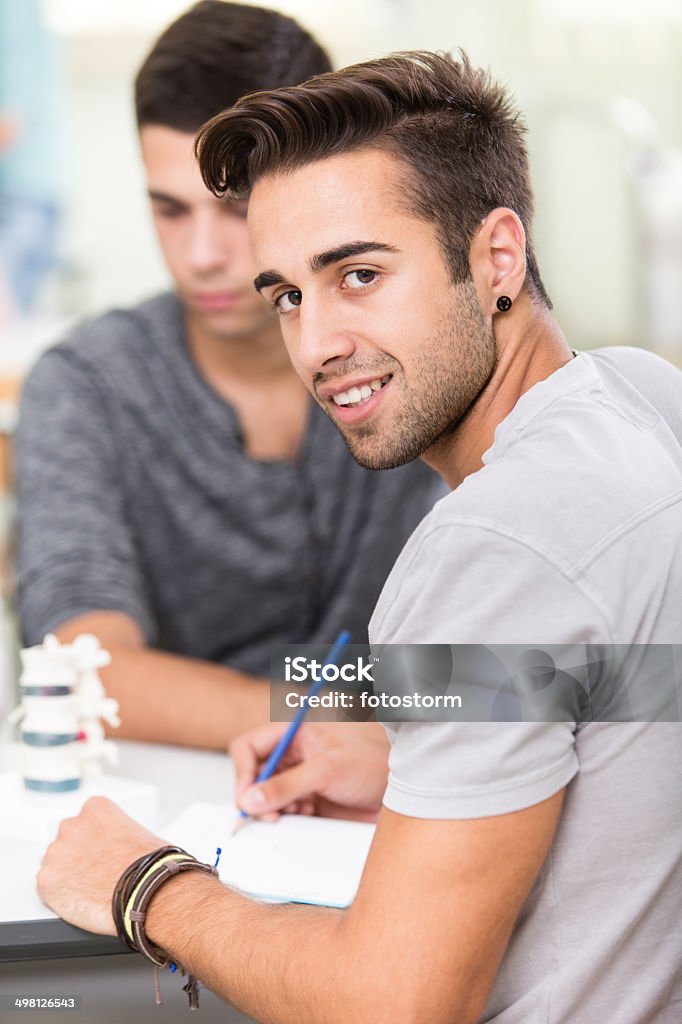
207,243
322,335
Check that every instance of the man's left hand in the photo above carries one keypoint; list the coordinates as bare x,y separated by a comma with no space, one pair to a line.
81,867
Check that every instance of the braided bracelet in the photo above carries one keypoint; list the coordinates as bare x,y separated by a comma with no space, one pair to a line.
132,896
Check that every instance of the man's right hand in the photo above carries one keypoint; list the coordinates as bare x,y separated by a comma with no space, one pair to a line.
335,770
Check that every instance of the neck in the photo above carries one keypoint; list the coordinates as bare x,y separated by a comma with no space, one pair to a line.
258,356
530,347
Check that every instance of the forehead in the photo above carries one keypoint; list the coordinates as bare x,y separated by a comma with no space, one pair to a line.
169,160
321,205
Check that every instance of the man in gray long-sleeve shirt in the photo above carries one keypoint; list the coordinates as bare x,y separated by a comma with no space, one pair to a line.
180,494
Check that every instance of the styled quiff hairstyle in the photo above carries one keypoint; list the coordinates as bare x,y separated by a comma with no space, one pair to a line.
456,130
216,52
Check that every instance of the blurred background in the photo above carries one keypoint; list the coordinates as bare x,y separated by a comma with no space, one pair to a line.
599,82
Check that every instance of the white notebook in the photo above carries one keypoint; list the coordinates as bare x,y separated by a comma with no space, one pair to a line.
298,859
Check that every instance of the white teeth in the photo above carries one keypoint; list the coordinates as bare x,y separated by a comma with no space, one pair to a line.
355,395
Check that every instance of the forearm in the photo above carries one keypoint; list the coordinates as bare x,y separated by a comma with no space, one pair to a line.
422,941
167,698
277,964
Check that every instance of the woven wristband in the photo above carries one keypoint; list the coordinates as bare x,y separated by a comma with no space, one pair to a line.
134,891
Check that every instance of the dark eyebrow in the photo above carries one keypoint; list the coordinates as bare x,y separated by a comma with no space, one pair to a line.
325,259
164,197
343,252
266,279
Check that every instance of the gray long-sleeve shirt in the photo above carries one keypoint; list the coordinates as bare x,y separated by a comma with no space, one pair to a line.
135,494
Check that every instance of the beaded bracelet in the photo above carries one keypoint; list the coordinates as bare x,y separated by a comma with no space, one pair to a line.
133,894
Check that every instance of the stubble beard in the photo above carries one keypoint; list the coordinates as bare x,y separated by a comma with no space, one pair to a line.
455,368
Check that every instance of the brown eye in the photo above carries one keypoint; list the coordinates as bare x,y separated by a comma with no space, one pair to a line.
168,212
285,302
358,279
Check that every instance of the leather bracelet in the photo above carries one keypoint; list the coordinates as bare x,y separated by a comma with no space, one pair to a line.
133,893
124,887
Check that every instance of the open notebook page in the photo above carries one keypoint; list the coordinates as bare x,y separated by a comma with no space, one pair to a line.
298,859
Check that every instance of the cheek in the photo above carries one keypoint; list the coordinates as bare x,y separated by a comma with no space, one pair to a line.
290,338
414,312
395,318
172,240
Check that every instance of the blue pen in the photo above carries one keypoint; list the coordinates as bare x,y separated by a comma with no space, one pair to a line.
280,750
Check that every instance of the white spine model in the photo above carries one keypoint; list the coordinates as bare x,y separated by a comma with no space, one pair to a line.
62,739
93,705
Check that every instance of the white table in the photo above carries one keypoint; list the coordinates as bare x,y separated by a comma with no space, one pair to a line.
41,955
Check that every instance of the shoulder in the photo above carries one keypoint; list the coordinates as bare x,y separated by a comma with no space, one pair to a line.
596,459
580,469
115,336
656,381
106,352
629,361
473,578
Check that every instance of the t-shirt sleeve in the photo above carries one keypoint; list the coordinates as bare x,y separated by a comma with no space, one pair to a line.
465,584
75,550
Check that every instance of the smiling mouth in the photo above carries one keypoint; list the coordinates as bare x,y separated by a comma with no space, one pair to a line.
358,396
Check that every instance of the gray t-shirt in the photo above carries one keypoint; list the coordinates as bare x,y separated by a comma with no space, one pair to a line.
135,494
571,533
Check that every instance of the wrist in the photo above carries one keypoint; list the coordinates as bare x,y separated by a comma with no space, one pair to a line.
133,895
179,902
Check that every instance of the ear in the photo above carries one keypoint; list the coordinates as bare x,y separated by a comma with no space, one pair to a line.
497,258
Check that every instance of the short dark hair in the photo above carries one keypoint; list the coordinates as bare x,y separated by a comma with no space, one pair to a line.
455,128
217,52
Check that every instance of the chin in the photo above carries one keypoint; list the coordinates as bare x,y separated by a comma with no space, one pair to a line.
380,459
233,326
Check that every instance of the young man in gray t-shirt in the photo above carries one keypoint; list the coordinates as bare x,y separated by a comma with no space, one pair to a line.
521,871
180,496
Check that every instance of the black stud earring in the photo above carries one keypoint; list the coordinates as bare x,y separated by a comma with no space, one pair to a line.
504,303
